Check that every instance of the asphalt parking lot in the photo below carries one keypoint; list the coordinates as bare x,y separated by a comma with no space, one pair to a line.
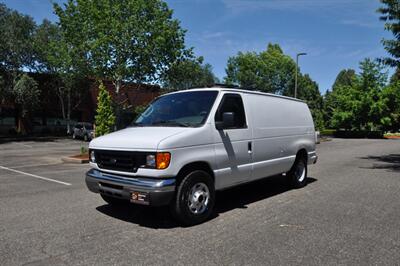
349,213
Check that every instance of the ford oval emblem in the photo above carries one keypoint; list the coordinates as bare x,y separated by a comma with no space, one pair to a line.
113,160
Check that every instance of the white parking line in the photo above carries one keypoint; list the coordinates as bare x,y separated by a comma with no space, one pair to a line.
35,176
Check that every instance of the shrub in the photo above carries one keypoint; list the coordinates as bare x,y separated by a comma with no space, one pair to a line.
105,118
328,132
83,150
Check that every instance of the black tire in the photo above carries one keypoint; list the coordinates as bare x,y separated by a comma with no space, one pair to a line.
113,201
297,176
73,136
198,181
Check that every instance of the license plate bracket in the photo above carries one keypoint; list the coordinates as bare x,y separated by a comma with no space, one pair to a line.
140,197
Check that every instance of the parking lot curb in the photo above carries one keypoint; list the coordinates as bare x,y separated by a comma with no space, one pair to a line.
74,160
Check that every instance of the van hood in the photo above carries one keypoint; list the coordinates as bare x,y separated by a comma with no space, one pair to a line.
135,138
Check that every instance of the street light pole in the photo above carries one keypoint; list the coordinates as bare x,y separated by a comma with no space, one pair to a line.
297,67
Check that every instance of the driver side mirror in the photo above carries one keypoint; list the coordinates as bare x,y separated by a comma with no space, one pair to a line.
228,121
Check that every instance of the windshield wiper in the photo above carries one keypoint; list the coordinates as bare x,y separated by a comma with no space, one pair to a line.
172,123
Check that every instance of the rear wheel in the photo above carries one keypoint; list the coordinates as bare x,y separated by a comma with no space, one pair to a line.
298,174
194,199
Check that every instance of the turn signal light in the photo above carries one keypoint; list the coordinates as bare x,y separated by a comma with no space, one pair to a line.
163,159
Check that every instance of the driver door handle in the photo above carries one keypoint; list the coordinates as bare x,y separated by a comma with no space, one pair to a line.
249,147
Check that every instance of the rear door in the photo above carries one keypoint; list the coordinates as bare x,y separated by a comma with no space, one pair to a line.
233,146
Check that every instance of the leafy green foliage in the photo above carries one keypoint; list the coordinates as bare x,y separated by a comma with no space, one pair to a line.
390,14
363,104
138,110
46,43
16,46
268,71
105,118
344,78
83,150
309,92
390,113
26,94
123,40
189,73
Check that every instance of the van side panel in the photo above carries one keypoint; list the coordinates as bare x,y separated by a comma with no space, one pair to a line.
281,128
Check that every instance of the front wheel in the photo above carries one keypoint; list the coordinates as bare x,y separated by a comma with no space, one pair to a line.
194,199
298,174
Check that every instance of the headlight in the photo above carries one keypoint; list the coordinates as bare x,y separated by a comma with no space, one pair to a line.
159,160
92,157
151,160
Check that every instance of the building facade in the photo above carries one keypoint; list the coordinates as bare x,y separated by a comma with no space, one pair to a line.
48,118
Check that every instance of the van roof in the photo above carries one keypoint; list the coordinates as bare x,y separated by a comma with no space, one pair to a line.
241,91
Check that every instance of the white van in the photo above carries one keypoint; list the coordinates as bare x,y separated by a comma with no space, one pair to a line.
188,144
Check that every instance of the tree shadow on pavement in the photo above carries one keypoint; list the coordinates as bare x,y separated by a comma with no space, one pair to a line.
227,200
390,162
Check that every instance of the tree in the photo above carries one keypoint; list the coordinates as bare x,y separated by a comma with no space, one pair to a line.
47,35
124,40
309,92
390,14
16,49
105,118
359,105
16,54
390,97
395,77
64,58
26,94
344,78
16,46
268,71
189,73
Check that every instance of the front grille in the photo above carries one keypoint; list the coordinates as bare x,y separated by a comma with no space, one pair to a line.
124,161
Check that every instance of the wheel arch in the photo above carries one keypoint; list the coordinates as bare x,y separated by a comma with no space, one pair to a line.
302,152
190,167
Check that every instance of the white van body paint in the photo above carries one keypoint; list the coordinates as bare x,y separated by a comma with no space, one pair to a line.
277,129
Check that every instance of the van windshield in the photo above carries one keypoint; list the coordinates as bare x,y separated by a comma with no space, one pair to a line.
186,109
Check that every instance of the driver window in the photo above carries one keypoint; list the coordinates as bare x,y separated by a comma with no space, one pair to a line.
232,103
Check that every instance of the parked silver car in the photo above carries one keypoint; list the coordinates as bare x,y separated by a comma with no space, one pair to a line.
187,145
83,130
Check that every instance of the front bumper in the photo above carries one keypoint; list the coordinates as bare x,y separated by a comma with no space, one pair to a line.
312,157
151,191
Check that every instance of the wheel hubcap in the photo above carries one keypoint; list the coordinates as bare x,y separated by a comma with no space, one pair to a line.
199,197
300,171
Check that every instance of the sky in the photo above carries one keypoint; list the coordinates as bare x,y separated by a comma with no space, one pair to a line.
335,34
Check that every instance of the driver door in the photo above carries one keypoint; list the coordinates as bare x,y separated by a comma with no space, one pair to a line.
233,147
